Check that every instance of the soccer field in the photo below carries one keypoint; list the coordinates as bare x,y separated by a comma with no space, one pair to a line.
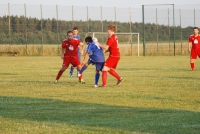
159,94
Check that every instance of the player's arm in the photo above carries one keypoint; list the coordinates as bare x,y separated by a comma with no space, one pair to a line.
63,53
63,50
82,47
189,47
85,58
104,47
87,54
106,51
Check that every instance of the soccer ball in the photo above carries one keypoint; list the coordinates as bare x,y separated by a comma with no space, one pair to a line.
95,39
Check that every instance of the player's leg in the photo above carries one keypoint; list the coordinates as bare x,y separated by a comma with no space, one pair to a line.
115,74
84,67
79,58
76,63
110,65
193,56
192,64
64,67
71,71
99,67
80,75
104,75
97,75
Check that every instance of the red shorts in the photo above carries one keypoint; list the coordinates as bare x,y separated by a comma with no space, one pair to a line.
71,60
195,53
112,62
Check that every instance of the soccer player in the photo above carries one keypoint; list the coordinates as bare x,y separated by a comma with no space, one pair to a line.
69,55
75,35
96,57
194,51
114,57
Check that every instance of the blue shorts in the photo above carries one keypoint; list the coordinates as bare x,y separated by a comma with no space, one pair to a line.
98,65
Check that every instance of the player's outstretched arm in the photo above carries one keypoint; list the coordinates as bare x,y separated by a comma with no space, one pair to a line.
106,51
85,58
105,48
82,48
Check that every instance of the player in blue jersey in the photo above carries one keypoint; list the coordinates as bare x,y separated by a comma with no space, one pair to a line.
96,57
75,35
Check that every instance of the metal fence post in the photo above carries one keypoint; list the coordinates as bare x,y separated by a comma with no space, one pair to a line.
9,24
25,28
157,28
72,16
57,22
143,29
41,30
130,13
181,30
115,18
194,18
101,22
174,31
57,28
169,29
88,20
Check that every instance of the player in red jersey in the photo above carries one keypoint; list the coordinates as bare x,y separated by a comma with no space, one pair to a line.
114,56
194,51
75,35
69,55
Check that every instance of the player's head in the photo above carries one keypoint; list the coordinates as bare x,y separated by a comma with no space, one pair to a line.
111,29
196,30
75,30
70,35
88,39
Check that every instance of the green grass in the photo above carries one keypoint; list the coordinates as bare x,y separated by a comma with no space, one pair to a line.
159,94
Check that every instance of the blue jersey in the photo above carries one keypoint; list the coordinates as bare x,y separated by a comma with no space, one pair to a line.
95,52
79,38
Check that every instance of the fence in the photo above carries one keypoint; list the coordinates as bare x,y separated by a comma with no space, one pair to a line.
37,25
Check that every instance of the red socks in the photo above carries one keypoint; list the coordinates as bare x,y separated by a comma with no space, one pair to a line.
80,77
113,73
104,78
59,75
192,66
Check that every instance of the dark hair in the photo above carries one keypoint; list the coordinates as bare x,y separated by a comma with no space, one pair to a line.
196,28
69,32
88,39
75,28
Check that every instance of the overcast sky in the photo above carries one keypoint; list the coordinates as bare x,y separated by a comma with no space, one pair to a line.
104,3
184,10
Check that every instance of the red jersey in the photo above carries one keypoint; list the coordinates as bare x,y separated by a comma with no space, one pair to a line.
112,42
195,41
71,47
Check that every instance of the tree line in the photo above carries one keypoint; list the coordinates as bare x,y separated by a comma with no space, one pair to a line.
24,30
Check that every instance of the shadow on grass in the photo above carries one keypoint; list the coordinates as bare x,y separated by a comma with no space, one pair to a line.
115,117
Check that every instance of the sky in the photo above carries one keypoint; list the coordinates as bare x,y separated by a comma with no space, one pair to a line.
104,3
79,8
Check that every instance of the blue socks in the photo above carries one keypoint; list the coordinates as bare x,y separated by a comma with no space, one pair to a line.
83,69
97,75
71,70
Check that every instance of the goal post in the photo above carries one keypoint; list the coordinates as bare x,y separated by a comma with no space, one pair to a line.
128,38
158,15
